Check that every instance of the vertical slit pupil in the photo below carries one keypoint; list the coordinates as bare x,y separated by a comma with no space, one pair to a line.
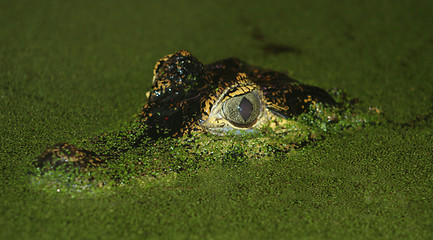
245,108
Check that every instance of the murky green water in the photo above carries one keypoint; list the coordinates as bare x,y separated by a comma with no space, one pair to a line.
70,71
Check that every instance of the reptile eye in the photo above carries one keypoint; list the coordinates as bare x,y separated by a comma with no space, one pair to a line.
242,110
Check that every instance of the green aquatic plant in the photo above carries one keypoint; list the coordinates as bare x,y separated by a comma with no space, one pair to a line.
254,115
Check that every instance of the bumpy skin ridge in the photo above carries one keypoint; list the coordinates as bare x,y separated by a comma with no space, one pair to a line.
178,83
62,153
184,90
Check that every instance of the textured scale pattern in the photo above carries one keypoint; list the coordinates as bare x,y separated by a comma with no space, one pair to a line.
184,91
